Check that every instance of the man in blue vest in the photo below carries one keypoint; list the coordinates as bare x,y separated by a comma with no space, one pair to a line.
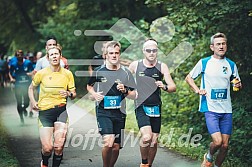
217,73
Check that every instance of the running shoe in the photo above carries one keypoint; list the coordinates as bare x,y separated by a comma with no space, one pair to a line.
144,165
207,162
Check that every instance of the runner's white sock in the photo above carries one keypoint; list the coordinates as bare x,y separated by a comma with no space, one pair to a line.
209,156
215,165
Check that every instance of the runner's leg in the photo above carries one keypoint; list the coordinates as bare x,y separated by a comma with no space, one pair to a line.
108,141
223,150
153,148
115,154
18,96
46,142
145,142
60,131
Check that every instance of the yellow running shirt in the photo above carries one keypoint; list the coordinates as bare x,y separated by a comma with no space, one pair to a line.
50,84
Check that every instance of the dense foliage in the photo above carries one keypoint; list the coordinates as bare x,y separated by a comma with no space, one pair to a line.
25,24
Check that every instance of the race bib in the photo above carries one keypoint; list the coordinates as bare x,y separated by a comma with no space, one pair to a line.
23,79
153,111
219,94
112,102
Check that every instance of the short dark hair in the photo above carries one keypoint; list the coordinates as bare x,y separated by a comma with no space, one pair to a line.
19,52
150,39
49,38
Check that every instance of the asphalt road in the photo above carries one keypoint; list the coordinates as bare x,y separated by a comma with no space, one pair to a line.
83,145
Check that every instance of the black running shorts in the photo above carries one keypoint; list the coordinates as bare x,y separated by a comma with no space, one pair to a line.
111,122
47,118
144,120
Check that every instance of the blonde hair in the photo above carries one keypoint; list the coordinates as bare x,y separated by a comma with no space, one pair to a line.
111,44
58,47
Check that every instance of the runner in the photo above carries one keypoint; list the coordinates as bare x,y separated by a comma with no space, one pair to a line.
56,84
43,62
149,75
109,85
20,74
217,73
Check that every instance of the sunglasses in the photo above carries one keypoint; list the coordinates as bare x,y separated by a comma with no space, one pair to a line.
151,50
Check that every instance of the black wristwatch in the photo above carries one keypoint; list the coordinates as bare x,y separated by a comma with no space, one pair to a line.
71,95
127,91
165,87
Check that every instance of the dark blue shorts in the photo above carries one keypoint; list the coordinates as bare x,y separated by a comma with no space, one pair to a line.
111,122
219,122
145,120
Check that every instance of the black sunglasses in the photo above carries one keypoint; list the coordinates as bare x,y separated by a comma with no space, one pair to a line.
151,50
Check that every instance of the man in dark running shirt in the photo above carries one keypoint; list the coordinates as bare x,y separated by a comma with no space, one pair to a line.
20,74
149,75
109,85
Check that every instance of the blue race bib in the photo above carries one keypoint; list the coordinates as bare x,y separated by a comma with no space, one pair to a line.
112,102
219,94
153,111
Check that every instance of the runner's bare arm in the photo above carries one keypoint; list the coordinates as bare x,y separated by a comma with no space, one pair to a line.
34,103
171,87
97,95
133,66
193,86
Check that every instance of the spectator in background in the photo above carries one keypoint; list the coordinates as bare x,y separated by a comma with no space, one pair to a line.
39,55
3,70
30,56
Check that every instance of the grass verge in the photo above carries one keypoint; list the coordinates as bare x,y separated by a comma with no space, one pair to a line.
6,157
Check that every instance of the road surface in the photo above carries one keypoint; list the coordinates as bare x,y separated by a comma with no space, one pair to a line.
83,145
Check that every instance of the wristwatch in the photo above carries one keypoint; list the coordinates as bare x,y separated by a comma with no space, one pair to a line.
165,87
127,91
71,95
